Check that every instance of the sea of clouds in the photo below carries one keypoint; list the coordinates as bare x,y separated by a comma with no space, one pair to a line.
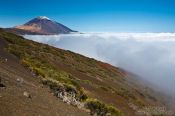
149,55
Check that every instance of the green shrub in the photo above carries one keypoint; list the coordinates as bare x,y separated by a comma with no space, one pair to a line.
98,108
39,72
125,93
139,102
53,85
114,111
57,86
104,88
158,115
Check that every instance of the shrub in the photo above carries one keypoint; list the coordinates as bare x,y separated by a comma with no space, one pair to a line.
53,85
158,115
104,88
139,102
98,108
114,111
39,72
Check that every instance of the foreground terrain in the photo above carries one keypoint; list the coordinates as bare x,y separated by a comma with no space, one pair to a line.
37,79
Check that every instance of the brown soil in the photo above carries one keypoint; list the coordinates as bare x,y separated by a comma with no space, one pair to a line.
12,100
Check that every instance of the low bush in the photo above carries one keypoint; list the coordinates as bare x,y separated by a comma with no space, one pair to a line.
98,108
104,88
56,86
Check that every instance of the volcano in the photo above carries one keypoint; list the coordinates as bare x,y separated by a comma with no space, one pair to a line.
41,25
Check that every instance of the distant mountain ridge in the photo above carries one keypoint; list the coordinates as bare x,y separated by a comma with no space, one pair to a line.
41,25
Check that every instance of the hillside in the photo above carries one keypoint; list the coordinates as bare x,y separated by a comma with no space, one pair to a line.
40,26
37,79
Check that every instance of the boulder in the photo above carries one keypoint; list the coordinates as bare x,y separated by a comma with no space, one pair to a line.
20,80
27,94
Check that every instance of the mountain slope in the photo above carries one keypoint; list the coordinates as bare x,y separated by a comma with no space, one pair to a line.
41,26
90,85
18,80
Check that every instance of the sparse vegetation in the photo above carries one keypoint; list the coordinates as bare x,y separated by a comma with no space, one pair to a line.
139,102
40,60
100,109
65,71
104,88
56,86
125,93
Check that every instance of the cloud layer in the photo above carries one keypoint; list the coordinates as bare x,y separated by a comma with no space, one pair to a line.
149,55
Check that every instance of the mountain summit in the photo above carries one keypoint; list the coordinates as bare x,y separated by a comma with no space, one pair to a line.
41,25
43,17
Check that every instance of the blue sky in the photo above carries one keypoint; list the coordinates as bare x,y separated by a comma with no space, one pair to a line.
94,15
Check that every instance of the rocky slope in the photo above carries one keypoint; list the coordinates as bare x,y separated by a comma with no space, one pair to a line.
41,26
37,79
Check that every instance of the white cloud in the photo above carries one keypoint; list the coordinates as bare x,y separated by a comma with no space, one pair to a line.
150,55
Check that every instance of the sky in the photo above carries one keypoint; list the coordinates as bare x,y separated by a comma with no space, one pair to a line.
94,15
